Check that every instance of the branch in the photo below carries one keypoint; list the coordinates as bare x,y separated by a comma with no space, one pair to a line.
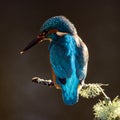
85,90
103,110
92,90
40,81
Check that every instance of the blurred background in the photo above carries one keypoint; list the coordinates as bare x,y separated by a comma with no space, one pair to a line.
98,24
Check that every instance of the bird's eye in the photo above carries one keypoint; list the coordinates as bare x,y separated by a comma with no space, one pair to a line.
44,33
53,31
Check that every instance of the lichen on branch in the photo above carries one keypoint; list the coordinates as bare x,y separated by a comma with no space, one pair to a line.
103,110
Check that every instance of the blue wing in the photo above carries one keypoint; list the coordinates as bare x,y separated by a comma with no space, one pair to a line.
69,58
82,57
61,51
62,58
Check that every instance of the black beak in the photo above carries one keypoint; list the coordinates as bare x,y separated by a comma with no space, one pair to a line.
38,39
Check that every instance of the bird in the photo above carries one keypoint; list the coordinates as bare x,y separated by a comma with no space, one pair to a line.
68,56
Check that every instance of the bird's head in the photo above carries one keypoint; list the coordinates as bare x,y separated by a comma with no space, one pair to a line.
58,25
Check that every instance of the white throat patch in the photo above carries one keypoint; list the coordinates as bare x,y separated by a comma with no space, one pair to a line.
61,33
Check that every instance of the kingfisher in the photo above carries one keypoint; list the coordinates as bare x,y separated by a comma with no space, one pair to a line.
68,56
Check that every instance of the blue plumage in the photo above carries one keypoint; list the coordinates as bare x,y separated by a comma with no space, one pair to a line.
62,58
68,56
59,22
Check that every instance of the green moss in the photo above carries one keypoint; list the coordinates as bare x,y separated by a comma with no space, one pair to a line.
91,90
107,110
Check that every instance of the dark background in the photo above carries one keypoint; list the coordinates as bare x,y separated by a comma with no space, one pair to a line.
98,24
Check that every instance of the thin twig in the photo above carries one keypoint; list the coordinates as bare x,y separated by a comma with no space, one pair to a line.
50,83
104,94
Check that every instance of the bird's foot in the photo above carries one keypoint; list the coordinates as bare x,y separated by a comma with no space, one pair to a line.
81,85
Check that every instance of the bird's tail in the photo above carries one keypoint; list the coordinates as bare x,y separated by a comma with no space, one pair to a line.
70,90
